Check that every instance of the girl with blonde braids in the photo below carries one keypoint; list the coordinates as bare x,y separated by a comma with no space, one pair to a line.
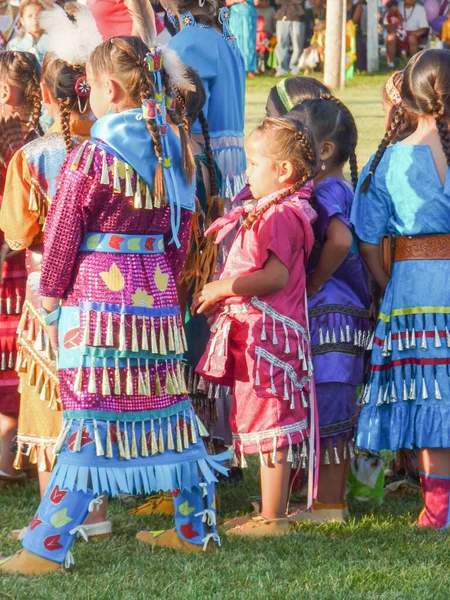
20,102
404,192
260,343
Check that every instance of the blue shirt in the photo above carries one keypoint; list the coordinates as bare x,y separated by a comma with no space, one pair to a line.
27,43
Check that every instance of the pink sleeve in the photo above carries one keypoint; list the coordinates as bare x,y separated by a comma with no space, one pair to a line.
64,231
282,233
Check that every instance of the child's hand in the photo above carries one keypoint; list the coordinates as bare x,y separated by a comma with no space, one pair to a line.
210,294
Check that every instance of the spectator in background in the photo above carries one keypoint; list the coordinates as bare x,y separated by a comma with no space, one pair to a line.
112,17
267,12
315,10
8,18
243,25
290,30
406,24
30,38
357,12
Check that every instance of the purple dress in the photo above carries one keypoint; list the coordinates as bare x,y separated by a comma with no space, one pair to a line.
339,321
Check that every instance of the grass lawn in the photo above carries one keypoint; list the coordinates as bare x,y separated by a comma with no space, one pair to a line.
377,554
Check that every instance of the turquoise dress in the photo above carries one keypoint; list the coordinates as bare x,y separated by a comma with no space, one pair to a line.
243,25
406,403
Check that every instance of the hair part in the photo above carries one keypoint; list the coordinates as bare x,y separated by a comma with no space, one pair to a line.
286,140
22,70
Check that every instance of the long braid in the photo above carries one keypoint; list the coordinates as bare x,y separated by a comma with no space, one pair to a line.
31,90
35,95
209,154
442,127
390,134
65,109
353,162
186,150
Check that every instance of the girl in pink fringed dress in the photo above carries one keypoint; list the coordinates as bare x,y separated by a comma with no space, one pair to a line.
259,343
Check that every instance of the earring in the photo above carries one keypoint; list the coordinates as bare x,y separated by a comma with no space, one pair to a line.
323,166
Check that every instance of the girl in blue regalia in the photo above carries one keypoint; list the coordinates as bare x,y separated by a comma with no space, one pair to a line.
405,191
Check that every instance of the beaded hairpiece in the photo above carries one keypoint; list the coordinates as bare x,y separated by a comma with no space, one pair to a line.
284,96
392,91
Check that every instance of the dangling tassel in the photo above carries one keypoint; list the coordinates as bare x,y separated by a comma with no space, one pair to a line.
62,437
407,345
162,339
157,381
170,334
119,441
327,336
109,449
144,447
393,392
33,203
176,337
117,386
92,384
39,343
88,163
183,338
122,334
341,335
333,337
142,388
138,193
263,330
412,390
129,193
412,342
285,388
275,453
134,450
98,443
153,440
170,390
437,339
98,330
424,388
405,391
148,381
116,179
261,457
42,465
78,437
287,349
347,334
129,381
423,345
126,443
154,345
272,383
77,158
194,437
321,340
326,457
274,333
437,391
336,456
109,330
144,340
185,432
243,460
77,384
134,338
290,456
304,401
201,428
104,179
106,388
178,436
170,444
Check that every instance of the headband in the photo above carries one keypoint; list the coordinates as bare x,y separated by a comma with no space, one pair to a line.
284,96
392,92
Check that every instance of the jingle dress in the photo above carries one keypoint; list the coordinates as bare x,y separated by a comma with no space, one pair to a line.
406,402
31,183
220,66
114,253
260,346
339,321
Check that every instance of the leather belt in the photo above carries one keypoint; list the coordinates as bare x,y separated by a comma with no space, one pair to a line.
422,247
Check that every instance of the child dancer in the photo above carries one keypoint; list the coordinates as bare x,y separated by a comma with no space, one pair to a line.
260,344
30,187
31,37
20,108
338,303
116,237
404,191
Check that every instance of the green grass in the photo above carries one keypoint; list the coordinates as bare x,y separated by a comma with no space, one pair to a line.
377,554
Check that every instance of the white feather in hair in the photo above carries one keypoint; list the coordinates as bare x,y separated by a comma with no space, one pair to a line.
176,70
71,41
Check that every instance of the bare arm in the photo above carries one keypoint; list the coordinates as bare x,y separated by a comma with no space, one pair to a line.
337,245
371,256
273,277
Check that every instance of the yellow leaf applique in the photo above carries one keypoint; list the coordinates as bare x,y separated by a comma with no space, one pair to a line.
141,298
113,278
161,279
60,519
185,509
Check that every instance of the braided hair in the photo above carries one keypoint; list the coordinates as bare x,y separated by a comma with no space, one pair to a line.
426,90
22,70
60,79
189,106
330,120
286,140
